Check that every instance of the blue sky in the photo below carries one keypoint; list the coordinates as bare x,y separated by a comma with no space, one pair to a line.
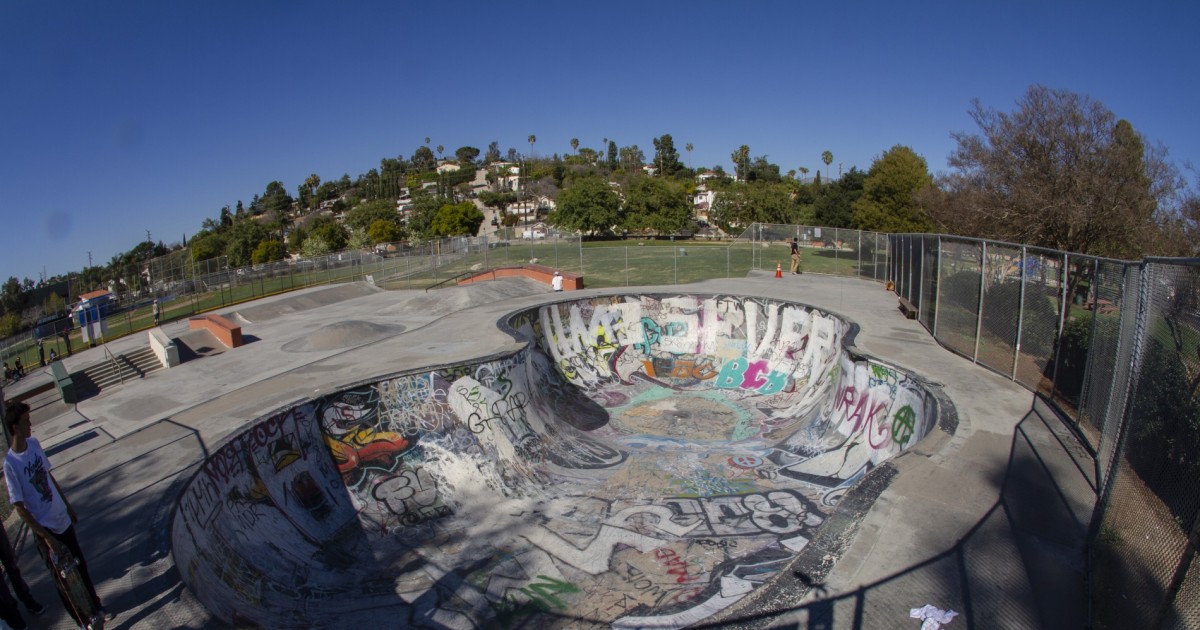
122,117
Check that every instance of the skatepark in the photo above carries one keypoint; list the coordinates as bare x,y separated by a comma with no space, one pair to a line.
749,452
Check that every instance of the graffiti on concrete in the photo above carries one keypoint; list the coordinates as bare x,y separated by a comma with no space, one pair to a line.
646,461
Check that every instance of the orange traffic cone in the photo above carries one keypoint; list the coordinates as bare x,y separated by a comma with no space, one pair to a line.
778,270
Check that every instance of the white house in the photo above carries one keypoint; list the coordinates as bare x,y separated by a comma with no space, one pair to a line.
448,167
702,202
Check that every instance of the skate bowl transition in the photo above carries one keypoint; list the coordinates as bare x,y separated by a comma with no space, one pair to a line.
645,461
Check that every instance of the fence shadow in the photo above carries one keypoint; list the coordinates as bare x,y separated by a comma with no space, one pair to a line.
1023,565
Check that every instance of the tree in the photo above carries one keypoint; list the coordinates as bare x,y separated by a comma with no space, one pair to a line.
440,149
461,219
889,199
532,139
762,170
575,144
207,245
833,205
632,158
688,147
466,156
1061,171
243,238
666,158
493,152
656,204
12,298
612,154
384,231
803,173
588,205
314,246
329,231
312,183
268,251
741,162
742,204
827,158
364,214
423,160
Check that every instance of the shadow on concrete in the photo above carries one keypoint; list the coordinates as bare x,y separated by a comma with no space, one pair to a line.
1023,565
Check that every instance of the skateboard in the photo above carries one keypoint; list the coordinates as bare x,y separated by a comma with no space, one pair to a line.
69,582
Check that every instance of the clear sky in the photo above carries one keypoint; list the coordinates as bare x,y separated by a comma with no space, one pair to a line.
127,116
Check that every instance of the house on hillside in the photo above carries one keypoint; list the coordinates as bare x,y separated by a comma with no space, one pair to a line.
702,202
448,167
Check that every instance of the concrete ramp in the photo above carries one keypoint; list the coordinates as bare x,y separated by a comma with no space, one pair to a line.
647,461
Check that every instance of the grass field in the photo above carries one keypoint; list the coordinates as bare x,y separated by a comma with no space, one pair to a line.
603,264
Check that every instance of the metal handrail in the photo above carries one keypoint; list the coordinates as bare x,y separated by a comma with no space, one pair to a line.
456,277
112,359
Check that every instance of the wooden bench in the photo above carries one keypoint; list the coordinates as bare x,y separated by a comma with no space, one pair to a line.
906,307
224,330
64,383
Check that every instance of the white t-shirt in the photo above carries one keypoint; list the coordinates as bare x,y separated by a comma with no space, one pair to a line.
556,283
28,478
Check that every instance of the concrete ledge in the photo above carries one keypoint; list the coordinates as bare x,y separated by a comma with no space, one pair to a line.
226,331
164,348
571,281
64,382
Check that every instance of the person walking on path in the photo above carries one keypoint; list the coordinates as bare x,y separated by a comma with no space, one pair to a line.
8,605
156,313
37,499
795,255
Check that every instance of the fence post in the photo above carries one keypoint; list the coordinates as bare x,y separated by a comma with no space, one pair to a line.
1020,315
581,255
982,286
1087,368
1064,309
626,265
936,293
920,302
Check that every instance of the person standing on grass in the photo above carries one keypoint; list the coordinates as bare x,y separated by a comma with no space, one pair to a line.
155,309
795,255
37,499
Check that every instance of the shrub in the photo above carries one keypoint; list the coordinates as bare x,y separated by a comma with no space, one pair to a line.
961,289
1002,308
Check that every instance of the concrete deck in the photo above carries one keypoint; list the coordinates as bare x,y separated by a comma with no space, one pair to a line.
122,456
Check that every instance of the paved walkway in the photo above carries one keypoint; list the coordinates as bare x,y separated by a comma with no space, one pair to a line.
940,524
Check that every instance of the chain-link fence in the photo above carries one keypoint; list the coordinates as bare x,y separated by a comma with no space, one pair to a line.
1115,345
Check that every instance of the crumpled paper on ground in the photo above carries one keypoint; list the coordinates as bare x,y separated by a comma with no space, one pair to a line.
932,617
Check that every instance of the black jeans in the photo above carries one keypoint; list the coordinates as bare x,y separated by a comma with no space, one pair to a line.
68,539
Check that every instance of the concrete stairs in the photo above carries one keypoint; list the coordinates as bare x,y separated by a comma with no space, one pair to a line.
128,366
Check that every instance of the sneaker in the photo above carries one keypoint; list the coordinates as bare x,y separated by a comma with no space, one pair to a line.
35,608
103,613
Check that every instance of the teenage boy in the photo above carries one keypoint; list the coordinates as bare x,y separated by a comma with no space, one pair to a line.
37,499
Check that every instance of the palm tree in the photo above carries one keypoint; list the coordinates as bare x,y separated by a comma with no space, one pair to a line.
803,173
426,140
827,158
688,147
440,149
532,139
575,144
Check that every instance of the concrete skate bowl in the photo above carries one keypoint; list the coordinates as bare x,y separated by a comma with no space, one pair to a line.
645,461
